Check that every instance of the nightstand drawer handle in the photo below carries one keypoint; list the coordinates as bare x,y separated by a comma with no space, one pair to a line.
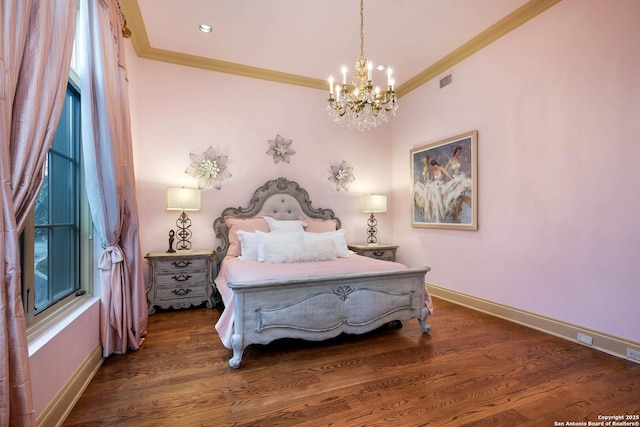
378,253
181,291
181,264
181,277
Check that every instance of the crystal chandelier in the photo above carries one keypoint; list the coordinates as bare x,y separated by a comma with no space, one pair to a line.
360,105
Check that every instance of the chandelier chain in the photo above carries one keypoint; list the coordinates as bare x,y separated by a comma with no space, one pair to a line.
362,28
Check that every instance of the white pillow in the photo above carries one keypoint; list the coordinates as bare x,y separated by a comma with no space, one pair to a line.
337,237
248,244
288,251
276,236
285,225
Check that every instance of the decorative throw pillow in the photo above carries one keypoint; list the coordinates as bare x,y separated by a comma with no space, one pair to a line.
248,245
279,237
319,225
337,236
285,225
246,224
289,251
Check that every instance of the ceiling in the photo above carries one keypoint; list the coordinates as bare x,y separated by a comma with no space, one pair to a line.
303,42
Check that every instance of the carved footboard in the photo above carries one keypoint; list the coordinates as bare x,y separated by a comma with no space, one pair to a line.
319,308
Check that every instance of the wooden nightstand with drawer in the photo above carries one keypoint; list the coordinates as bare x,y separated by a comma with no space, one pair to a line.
377,251
180,280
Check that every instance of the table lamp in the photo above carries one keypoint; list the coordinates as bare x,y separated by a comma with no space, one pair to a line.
373,204
182,199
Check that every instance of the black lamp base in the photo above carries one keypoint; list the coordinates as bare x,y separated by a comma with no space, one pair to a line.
184,234
372,230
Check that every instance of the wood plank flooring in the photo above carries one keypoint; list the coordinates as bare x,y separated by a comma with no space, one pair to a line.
471,370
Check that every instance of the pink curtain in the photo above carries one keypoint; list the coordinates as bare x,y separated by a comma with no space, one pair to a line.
37,41
108,158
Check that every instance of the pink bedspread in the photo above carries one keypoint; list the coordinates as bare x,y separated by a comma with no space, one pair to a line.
234,270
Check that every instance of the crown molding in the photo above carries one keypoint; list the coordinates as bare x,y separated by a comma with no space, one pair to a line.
133,20
507,24
143,49
230,68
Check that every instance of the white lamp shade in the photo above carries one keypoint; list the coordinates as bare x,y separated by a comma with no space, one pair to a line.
373,203
183,199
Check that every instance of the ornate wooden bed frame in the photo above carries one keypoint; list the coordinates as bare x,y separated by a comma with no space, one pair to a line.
265,311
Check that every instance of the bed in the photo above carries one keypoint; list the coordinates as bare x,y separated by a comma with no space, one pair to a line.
300,283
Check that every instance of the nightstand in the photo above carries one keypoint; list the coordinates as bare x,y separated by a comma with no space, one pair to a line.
378,251
180,280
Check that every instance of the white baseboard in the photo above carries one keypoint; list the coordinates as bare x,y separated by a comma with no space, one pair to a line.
601,341
60,407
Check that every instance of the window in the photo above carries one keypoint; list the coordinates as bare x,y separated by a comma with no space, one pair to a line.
56,241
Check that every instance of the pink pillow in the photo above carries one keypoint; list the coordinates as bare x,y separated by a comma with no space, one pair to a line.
246,224
319,225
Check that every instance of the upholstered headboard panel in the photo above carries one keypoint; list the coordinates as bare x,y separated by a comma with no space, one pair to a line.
282,207
279,198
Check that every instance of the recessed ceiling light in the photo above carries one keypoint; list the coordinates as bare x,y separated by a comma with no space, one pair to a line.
381,67
205,28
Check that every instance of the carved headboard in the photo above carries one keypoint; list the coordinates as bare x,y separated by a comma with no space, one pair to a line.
279,198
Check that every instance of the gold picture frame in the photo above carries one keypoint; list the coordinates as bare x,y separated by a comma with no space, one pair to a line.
444,183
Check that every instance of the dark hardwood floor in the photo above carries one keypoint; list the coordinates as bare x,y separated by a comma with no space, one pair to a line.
472,369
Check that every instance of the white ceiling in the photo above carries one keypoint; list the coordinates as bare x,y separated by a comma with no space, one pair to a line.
314,38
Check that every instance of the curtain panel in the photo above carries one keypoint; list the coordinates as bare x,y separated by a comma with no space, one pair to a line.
108,158
36,45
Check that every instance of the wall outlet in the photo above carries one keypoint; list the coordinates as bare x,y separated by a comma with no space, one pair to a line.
633,354
585,339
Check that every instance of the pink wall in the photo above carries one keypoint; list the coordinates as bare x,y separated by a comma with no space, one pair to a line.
55,357
177,110
556,105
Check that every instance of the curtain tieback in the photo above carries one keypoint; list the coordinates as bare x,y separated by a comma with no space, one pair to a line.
111,255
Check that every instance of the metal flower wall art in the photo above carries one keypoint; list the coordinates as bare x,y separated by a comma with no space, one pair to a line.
209,169
342,175
280,149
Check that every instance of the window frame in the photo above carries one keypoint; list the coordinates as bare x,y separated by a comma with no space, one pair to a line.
37,323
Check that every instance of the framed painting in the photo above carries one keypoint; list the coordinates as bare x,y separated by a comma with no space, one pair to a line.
444,183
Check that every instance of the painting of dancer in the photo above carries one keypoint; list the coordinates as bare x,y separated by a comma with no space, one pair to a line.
444,177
